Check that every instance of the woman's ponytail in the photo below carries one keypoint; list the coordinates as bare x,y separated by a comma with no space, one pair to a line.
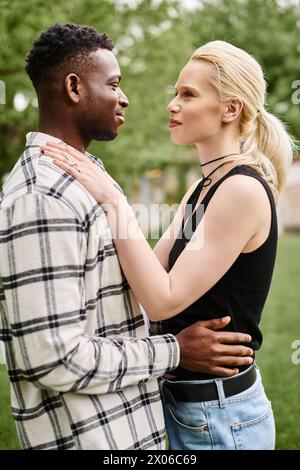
272,149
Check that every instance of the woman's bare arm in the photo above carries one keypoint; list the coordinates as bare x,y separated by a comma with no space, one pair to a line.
233,217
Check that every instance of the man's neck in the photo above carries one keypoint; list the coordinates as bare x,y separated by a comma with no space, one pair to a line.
65,133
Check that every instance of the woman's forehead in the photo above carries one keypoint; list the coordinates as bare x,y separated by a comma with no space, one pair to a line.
196,73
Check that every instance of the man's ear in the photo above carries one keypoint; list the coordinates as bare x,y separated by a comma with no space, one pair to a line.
232,109
73,87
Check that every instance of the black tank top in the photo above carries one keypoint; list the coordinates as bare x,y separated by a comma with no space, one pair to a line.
241,292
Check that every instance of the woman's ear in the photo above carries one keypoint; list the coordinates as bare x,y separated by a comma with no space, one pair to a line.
73,87
232,109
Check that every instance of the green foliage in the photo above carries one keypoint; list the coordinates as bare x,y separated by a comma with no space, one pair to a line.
267,29
153,41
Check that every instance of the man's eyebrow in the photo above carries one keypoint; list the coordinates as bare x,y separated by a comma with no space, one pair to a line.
114,77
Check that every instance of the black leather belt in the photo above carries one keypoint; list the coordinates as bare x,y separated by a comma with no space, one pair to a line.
208,391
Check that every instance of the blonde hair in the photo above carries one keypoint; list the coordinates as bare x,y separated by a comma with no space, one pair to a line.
265,144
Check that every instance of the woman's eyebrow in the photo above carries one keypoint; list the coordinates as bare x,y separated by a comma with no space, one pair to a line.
188,87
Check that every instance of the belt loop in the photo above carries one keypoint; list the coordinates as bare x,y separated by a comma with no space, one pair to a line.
221,395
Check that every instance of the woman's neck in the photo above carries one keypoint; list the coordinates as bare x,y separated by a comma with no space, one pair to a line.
215,151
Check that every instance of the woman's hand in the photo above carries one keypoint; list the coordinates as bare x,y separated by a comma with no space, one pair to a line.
84,170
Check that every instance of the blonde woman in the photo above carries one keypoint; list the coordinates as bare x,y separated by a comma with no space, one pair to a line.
218,254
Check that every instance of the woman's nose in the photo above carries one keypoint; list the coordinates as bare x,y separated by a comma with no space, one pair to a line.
173,107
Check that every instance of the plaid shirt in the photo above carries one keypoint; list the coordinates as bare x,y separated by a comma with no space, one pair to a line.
83,374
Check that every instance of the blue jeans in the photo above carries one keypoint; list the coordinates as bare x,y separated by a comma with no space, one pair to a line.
241,422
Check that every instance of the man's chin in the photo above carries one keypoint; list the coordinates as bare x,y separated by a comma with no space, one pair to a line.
106,137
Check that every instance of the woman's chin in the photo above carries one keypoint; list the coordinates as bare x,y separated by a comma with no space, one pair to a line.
177,141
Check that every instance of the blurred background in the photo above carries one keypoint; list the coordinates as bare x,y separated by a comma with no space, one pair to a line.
153,40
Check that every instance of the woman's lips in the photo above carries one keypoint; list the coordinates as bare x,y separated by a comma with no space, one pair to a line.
174,123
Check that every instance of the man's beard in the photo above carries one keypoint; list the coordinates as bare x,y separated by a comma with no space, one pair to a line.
92,130
105,136
96,133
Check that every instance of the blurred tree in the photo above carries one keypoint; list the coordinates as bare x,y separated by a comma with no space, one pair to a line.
267,29
154,39
144,37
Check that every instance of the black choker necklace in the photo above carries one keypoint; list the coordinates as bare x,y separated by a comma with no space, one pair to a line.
217,159
206,179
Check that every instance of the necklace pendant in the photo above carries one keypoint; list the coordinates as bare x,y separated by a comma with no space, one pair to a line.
206,182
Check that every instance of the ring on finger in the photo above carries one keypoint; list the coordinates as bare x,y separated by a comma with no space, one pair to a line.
75,165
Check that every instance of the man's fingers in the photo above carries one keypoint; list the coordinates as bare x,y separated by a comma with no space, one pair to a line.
226,350
228,337
215,324
224,372
233,361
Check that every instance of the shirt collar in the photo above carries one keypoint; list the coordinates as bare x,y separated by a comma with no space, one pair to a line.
39,138
36,139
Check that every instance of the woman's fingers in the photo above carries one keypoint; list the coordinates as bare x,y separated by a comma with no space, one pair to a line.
73,171
58,148
55,153
89,175
67,149
70,162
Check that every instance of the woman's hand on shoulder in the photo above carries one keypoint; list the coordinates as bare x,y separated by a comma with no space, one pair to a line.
85,171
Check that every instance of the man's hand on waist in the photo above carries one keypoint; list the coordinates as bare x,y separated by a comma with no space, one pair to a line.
204,349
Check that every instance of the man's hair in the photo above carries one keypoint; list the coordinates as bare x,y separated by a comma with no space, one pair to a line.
64,47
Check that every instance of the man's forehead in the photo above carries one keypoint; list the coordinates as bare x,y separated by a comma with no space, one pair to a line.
105,63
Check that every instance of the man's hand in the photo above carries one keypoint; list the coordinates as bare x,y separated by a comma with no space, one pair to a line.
202,349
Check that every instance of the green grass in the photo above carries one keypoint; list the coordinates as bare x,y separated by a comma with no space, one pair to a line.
280,326
8,436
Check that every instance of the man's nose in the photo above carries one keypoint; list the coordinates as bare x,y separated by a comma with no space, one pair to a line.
123,100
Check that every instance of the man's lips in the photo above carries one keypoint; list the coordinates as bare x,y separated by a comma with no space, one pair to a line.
121,117
174,123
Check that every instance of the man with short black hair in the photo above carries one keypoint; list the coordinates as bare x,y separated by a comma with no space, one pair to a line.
82,367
